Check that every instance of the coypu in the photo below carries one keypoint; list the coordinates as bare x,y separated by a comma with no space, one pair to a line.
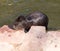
37,19
33,19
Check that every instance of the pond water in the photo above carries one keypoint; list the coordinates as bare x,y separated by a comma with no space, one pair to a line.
10,9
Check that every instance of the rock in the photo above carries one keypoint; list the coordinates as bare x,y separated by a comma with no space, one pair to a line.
9,35
33,41
35,29
4,46
5,28
52,41
37,39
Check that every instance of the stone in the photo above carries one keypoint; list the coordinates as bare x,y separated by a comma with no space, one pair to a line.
37,39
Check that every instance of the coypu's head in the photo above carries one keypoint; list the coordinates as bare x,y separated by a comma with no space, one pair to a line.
19,23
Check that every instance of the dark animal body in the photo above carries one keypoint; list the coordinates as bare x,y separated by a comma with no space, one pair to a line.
37,19
33,19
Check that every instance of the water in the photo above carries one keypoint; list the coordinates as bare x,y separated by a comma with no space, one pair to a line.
10,9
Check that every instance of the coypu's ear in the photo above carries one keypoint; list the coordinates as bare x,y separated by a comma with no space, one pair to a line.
20,18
